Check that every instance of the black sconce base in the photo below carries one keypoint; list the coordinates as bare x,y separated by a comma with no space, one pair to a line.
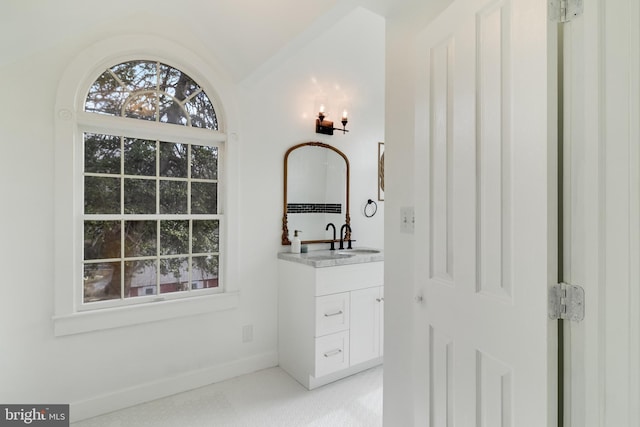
325,127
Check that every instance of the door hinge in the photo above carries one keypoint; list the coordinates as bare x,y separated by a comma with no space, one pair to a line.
566,302
565,10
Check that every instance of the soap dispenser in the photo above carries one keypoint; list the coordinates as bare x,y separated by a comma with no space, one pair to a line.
295,243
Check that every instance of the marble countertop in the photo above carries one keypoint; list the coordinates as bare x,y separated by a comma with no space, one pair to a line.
329,258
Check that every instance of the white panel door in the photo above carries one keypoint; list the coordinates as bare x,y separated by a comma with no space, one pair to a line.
486,216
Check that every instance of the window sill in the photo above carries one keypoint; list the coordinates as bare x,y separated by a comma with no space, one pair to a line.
109,318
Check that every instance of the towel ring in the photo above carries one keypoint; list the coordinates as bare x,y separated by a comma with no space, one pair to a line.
370,212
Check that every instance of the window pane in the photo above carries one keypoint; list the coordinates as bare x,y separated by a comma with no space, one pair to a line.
101,239
137,75
106,96
101,195
101,281
140,278
169,77
173,197
140,238
139,157
204,272
174,275
204,162
174,237
142,106
139,196
176,83
206,236
204,198
173,160
202,113
101,153
172,112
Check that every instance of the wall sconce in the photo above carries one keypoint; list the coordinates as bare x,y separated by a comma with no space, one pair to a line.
326,126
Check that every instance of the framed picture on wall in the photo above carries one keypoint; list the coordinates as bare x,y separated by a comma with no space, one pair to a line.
380,171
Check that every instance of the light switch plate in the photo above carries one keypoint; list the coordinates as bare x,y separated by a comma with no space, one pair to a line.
407,219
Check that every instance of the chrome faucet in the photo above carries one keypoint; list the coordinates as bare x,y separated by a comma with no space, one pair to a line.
333,247
342,237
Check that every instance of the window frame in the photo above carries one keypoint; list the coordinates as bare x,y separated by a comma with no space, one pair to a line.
175,133
71,315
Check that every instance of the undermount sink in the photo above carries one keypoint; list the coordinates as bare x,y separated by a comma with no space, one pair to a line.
359,251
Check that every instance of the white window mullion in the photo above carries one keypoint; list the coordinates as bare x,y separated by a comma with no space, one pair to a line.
190,257
189,179
158,180
159,260
122,262
122,222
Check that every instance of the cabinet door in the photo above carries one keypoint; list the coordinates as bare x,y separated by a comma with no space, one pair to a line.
366,325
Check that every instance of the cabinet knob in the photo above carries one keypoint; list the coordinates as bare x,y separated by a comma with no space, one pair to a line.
379,299
419,299
335,352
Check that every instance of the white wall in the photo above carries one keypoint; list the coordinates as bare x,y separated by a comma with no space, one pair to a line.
346,61
102,371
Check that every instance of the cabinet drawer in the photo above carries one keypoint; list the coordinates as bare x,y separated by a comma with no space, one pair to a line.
332,353
332,313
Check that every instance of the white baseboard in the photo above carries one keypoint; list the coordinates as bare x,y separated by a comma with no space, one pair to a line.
326,379
164,387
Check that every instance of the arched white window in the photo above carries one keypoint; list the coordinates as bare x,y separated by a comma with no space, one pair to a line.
140,185
150,206
153,91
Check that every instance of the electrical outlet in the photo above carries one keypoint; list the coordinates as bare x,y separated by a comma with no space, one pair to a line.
247,333
407,219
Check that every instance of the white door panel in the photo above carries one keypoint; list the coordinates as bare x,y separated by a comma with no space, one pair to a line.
485,216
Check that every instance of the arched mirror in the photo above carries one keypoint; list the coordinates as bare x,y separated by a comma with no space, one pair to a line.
316,192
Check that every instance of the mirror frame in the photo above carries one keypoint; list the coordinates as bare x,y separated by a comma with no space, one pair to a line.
285,227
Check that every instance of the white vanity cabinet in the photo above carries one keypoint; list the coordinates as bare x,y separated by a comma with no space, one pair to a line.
330,320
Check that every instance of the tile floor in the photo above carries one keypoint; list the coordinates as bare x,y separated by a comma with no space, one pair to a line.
267,398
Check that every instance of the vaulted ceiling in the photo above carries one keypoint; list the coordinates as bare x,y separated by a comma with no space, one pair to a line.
241,34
